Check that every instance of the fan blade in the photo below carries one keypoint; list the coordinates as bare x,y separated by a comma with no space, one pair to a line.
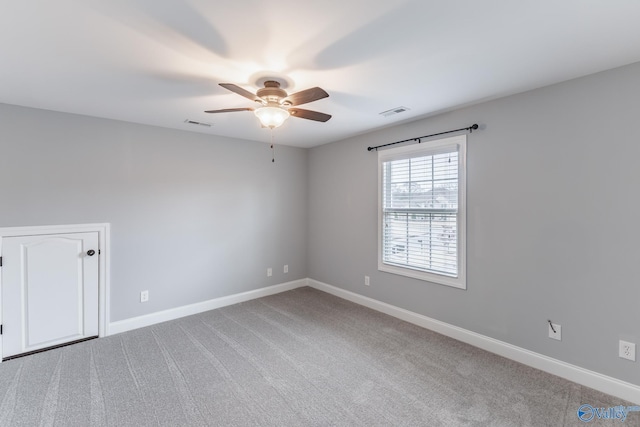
308,114
242,92
306,96
229,110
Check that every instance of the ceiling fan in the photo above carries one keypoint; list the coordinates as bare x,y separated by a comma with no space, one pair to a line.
275,103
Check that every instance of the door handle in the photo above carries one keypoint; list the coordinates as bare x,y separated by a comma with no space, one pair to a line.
91,252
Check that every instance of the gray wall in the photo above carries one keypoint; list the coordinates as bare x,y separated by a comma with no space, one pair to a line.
193,217
553,220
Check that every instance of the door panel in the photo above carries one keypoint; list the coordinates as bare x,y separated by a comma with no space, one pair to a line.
49,290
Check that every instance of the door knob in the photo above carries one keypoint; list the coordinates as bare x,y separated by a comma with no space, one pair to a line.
91,252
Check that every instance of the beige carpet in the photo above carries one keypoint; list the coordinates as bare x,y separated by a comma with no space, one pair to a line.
300,358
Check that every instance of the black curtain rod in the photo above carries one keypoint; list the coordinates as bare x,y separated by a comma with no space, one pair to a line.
418,139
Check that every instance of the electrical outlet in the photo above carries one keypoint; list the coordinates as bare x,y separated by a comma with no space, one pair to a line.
627,350
144,296
366,281
269,272
286,268
555,331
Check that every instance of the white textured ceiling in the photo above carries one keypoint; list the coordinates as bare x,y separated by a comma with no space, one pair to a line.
159,62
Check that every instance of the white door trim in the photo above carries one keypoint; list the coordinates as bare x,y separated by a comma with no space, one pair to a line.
104,245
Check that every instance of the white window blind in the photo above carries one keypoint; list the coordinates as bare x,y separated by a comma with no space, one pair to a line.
421,210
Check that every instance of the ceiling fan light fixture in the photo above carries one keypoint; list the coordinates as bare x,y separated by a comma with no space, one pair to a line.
275,103
270,116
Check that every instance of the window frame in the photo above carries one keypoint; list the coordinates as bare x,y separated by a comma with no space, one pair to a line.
426,149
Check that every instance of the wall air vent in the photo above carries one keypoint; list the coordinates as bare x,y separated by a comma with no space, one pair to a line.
394,111
193,122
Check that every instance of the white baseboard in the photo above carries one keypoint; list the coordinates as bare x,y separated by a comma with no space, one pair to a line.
188,310
585,377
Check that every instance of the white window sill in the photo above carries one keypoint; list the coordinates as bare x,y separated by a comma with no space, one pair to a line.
455,282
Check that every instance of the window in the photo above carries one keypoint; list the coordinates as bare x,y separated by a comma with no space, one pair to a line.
422,211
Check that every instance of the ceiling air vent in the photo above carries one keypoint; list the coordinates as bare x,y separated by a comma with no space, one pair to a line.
394,111
193,122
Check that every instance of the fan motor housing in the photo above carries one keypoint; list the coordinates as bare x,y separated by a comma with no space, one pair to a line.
271,92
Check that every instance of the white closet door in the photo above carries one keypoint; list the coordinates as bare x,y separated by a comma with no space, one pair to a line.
49,290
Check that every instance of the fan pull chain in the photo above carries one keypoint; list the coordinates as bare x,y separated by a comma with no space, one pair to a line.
273,150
